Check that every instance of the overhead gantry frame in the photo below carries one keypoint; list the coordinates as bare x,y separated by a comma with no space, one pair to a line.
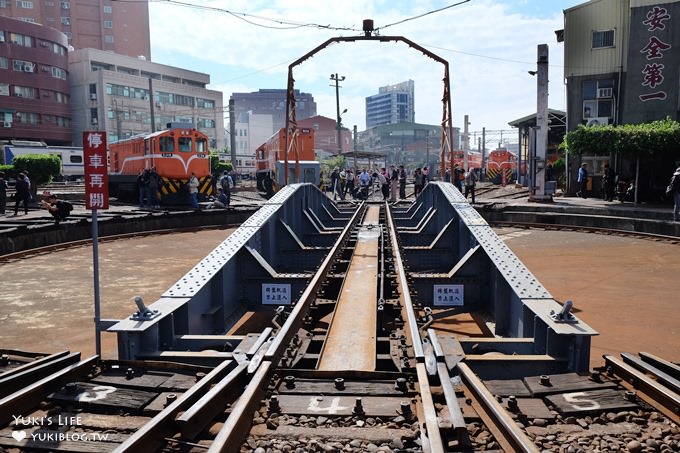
291,121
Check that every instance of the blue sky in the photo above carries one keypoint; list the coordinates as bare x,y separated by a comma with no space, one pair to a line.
490,45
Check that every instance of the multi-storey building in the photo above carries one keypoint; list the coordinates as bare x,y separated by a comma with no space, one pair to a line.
271,102
34,91
326,135
393,104
621,61
126,96
115,26
621,65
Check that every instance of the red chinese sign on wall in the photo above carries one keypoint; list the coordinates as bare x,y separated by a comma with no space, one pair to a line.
653,76
96,170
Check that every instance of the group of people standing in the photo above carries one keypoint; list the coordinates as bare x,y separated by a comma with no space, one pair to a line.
392,182
22,194
149,183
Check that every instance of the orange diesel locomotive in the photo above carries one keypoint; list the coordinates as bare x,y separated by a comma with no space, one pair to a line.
175,153
501,166
270,159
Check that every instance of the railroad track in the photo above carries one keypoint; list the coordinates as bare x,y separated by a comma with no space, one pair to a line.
358,363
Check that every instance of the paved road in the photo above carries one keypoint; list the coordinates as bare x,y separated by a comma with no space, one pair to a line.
625,288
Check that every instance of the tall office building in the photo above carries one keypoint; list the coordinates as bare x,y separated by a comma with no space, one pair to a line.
120,27
393,104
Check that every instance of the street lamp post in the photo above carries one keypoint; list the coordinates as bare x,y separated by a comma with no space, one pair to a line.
337,79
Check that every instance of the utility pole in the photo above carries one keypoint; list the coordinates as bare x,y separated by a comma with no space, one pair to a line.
466,142
537,191
337,79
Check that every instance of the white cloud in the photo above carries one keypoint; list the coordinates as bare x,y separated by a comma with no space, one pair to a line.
489,44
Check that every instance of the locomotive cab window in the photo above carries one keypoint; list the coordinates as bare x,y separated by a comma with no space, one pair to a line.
184,144
201,145
167,144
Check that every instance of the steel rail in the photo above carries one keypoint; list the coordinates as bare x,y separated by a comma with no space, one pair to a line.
107,238
654,393
413,330
237,425
429,411
662,364
504,424
586,229
151,436
290,327
659,375
29,397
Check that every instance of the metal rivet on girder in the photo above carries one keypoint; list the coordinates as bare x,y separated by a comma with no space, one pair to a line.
358,407
400,384
129,373
169,399
290,381
544,379
339,383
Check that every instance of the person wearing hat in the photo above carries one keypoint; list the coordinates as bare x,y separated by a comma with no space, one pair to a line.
674,187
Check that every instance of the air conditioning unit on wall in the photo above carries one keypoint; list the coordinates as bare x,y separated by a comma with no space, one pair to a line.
599,121
6,124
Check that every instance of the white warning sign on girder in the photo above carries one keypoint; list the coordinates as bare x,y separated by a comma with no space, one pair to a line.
448,295
276,293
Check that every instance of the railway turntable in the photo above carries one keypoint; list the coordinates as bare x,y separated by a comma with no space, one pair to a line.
322,326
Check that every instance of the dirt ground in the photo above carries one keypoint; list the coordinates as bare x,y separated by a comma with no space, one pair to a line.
624,288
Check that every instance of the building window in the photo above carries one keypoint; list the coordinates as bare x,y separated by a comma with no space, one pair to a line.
107,10
58,73
21,40
25,92
27,118
598,100
3,3
69,35
63,122
108,24
24,4
65,20
205,103
603,39
4,89
108,39
61,98
4,63
65,5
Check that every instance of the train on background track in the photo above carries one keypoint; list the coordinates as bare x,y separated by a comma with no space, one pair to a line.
175,153
270,160
500,164
71,156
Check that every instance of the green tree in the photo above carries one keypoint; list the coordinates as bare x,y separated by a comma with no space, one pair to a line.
41,168
657,139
